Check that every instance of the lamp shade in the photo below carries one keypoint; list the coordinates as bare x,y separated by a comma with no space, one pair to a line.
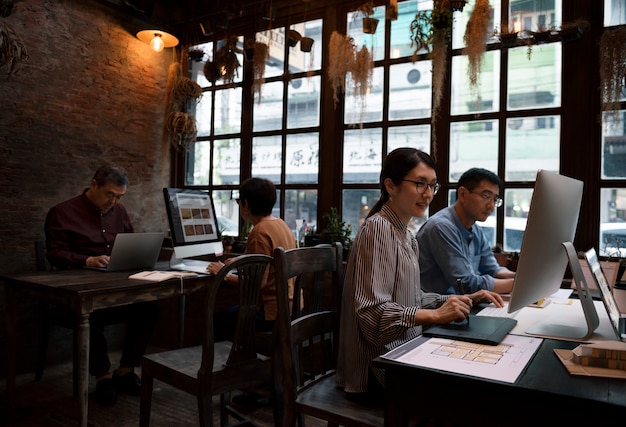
157,39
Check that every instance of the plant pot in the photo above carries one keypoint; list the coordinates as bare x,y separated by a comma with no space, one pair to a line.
508,39
306,44
369,25
293,37
541,37
248,53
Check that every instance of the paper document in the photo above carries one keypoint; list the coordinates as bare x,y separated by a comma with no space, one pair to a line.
502,362
159,276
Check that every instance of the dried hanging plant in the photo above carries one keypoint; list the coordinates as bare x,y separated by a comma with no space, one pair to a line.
261,55
475,38
182,128
361,71
342,49
612,66
12,51
226,60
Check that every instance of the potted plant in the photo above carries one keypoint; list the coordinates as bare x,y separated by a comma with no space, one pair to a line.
335,230
366,10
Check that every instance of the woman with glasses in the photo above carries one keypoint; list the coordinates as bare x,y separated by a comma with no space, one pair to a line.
453,247
383,305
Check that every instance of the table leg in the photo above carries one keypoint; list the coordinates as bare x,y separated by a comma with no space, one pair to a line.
11,319
83,368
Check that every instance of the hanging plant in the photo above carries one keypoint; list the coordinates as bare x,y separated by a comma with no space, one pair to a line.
365,11
612,66
12,51
341,48
226,60
361,71
261,55
475,38
392,10
182,129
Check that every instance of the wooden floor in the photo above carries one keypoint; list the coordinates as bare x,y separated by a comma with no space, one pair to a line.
49,402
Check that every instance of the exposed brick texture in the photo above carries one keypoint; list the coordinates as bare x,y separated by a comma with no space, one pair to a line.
91,93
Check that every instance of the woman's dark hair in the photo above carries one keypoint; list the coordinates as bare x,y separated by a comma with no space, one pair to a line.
396,166
113,174
260,193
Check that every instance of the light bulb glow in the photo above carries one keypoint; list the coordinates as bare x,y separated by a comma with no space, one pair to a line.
157,43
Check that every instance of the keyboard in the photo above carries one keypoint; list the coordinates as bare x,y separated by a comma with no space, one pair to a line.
493,311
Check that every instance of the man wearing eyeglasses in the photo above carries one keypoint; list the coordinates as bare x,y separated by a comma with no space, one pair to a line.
452,247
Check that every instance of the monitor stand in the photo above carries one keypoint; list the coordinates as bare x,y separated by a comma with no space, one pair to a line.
568,332
186,264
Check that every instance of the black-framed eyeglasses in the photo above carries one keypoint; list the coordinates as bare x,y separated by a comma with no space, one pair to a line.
497,201
421,186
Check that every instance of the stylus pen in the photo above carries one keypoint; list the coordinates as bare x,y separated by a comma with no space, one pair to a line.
459,287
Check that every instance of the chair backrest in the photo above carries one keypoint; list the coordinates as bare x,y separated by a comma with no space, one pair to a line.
308,341
251,270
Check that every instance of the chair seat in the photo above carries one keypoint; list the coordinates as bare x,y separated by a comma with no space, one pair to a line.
324,400
185,363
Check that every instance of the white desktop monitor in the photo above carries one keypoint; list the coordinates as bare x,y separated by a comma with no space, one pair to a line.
547,248
193,224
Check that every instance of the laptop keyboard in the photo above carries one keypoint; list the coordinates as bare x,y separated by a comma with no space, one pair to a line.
493,311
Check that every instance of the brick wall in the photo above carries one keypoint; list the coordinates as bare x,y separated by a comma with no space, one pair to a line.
90,93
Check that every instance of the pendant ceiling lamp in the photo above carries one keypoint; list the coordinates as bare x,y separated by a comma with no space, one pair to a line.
157,39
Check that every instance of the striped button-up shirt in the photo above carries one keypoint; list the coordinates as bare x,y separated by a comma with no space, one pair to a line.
380,297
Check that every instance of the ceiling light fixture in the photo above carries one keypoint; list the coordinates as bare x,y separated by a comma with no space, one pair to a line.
157,39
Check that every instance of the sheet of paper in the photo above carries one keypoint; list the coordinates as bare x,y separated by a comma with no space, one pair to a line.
503,362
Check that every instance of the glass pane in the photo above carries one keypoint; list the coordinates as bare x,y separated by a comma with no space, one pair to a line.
302,158
199,175
268,114
516,205
228,111
400,29
409,136
614,145
267,157
302,205
535,15
614,12
203,114
356,206
226,161
613,222
374,42
410,90
463,99
535,83
367,107
300,61
532,143
362,155
473,144
303,102
227,212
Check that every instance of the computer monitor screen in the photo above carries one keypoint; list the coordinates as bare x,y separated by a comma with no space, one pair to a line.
552,220
193,223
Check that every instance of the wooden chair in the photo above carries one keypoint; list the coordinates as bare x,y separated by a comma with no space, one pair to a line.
308,342
216,367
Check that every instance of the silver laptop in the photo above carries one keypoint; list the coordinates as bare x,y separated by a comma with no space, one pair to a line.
618,321
134,251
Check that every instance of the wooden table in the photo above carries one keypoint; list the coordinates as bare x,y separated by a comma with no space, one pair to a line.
544,394
83,291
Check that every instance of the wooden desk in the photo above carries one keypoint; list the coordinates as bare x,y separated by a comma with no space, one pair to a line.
83,291
544,394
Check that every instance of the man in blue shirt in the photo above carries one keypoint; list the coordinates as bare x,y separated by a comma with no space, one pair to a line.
452,246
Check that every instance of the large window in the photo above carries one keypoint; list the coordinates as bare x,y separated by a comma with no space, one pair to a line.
286,124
